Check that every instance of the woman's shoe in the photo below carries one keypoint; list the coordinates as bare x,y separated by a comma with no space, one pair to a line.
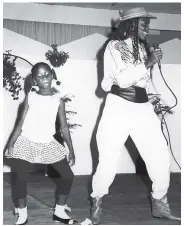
96,210
161,209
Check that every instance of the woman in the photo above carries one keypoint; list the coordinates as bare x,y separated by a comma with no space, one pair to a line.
128,111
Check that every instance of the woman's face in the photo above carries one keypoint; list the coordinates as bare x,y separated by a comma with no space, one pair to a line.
143,28
43,77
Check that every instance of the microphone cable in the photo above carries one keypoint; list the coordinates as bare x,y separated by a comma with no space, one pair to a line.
163,115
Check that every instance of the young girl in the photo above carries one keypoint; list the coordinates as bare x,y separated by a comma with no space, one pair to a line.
33,142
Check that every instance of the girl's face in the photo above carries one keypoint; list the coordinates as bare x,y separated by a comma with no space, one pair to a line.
143,28
43,77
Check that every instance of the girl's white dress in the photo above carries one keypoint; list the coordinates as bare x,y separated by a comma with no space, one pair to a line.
36,143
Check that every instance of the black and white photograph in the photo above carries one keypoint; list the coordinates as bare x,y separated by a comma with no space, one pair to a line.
91,113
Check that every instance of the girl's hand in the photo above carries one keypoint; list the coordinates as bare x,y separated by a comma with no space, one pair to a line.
153,98
8,151
71,158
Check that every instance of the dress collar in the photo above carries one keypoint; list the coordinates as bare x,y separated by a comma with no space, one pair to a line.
128,41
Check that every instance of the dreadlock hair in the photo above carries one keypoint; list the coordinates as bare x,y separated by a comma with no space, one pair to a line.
129,29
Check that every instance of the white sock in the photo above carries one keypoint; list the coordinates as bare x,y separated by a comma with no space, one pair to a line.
60,212
22,215
15,210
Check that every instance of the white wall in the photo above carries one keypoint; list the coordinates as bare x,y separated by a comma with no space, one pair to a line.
81,49
171,51
23,46
82,16
79,78
172,75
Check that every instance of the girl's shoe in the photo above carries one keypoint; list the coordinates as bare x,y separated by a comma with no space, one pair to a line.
60,215
19,222
87,221
64,221
21,216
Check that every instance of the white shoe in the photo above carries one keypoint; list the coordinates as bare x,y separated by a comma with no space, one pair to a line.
21,217
61,216
60,211
86,222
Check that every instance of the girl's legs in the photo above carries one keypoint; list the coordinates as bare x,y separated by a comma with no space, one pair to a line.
64,184
19,188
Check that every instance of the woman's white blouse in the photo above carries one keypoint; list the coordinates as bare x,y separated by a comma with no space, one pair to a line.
121,70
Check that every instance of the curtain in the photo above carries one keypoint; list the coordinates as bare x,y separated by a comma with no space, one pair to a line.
52,33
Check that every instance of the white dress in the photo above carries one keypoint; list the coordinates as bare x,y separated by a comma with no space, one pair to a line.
36,143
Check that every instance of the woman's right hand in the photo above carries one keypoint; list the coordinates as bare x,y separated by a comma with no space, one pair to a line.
153,98
155,56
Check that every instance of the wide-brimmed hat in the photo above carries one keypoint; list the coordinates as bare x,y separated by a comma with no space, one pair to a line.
132,13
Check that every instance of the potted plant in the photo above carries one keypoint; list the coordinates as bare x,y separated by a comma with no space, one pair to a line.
55,57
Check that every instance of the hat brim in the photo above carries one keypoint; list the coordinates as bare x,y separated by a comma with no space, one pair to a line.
134,16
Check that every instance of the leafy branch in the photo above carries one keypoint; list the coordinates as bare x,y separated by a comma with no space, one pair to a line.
11,78
55,57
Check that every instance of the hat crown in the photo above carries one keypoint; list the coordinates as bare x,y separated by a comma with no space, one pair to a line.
129,12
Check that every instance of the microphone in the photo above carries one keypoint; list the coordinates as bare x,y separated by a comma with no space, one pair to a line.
156,46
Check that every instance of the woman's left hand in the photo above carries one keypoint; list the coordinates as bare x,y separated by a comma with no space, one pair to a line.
153,98
71,158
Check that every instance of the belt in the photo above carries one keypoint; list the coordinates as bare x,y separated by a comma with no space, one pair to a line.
133,93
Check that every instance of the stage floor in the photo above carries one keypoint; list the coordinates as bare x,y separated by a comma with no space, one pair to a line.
127,203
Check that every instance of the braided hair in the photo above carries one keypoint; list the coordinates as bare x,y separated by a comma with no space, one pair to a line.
129,29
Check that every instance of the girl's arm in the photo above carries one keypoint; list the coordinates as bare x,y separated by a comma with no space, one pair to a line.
65,131
18,128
